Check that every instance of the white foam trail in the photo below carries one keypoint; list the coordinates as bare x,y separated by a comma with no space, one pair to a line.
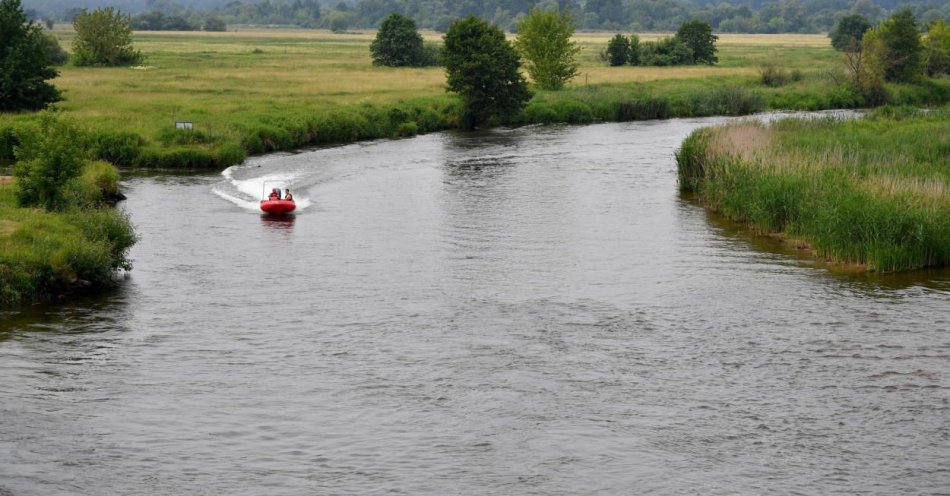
245,204
252,188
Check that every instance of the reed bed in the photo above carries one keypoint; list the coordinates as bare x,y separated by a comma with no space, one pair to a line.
874,191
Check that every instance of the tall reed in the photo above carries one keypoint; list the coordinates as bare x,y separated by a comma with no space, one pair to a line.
874,191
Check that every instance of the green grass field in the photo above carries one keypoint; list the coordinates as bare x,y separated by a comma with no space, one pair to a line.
256,90
874,191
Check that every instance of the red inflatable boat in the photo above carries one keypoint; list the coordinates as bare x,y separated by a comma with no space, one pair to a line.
278,207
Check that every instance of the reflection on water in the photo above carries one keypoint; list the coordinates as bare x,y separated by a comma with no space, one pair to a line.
280,223
531,311
869,283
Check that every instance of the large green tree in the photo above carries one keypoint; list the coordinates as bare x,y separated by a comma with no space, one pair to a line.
104,37
544,41
848,32
24,62
398,43
482,67
903,49
697,35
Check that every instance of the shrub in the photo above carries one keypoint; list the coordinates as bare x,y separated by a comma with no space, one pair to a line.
110,227
174,136
618,50
664,52
47,161
409,128
229,154
54,51
773,76
8,142
117,147
104,38
732,100
937,48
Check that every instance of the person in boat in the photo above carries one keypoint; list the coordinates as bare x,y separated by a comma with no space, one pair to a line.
274,194
288,195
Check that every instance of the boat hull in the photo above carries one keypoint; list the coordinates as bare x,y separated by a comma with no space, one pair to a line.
278,207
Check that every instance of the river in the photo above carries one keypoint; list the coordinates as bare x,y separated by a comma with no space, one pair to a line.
515,312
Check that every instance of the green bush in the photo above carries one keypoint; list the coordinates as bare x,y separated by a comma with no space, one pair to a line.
730,100
174,136
8,143
47,161
407,129
228,154
773,76
49,254
104,38
117,147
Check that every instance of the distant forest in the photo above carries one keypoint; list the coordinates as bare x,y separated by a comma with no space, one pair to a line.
751,16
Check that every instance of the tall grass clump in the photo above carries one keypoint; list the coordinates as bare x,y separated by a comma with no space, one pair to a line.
874,191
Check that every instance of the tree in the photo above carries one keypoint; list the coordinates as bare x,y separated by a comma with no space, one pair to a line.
618,50
47,162
937,48
544,40
397,43
104,37
24,62
697,35
868,66
848,32
634,55
482,67
903,50
54,51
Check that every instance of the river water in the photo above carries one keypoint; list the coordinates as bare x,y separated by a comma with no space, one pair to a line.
530,311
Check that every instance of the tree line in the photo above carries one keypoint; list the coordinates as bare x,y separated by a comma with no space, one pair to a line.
755,16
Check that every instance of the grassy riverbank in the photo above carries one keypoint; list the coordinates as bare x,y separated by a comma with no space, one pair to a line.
254,91
874,191
44,255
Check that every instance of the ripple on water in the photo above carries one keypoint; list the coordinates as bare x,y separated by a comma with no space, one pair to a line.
529,311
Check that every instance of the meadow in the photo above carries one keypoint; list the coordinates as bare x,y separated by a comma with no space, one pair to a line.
873,192
250,91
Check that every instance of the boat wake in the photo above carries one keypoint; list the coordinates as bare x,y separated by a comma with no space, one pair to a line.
246,192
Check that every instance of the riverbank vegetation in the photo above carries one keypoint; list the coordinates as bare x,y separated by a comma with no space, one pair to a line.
256,91
873,191
58,232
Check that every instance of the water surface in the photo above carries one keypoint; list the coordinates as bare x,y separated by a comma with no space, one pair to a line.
531,311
